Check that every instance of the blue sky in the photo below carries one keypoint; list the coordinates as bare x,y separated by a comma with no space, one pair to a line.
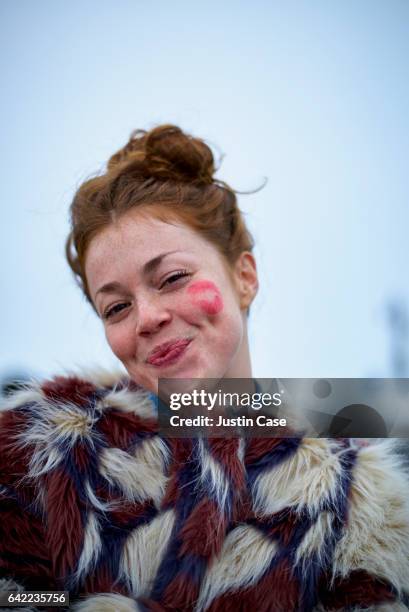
311,95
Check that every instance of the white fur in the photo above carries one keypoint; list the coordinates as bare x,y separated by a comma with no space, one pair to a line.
377,535
376,538
143,552
106,602
30,393
102,506
44,459
245,555
154,452
134,402
98,376
8,584
137,480
91,546
213,476
241,450
154,455
303,481
40,497
313,541
53,424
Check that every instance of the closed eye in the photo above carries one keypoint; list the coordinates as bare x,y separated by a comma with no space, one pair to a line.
115,309
173,278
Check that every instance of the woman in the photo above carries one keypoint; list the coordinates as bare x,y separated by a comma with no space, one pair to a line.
96,502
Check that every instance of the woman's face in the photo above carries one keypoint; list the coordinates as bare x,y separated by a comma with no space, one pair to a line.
169,305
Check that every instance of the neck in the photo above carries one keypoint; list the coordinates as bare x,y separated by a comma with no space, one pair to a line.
241,366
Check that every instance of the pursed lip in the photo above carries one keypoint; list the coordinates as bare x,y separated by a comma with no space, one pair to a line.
167,350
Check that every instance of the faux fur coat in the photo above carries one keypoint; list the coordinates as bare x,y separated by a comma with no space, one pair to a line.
93,500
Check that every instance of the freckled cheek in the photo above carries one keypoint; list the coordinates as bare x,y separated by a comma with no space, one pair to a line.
206,297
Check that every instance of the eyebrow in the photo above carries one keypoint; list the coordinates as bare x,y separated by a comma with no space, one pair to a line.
148,268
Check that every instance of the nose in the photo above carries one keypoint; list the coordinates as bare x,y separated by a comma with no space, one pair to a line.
151,317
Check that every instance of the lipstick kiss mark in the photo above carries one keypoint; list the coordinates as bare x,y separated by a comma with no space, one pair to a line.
206,295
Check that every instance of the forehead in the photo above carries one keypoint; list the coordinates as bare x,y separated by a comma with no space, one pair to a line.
139,234
135,239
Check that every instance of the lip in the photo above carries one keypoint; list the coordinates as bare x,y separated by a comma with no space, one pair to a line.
168,352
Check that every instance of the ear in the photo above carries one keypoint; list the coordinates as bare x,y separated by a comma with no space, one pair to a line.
245,272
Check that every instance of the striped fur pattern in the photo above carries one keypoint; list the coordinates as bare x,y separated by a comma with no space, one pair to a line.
93,500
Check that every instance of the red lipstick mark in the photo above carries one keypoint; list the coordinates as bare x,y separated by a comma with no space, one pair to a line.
206,295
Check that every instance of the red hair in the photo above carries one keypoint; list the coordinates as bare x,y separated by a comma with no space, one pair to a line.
168,173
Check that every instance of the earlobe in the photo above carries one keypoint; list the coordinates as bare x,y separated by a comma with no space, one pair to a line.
247,279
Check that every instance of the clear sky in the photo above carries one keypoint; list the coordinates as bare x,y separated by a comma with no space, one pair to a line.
313,95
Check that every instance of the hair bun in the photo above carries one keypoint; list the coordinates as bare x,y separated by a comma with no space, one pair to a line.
167,153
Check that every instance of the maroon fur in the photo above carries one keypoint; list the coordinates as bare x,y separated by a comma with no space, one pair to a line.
180,594
43,518
11,452
262,597
242,508
224,450
68,389
121,428
181,452
100,581
358,589
65,526
26,541
258,447
204,530
129,511
172,493
281,525
81,455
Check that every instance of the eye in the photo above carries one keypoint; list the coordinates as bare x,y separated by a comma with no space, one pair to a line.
174,277
115,309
